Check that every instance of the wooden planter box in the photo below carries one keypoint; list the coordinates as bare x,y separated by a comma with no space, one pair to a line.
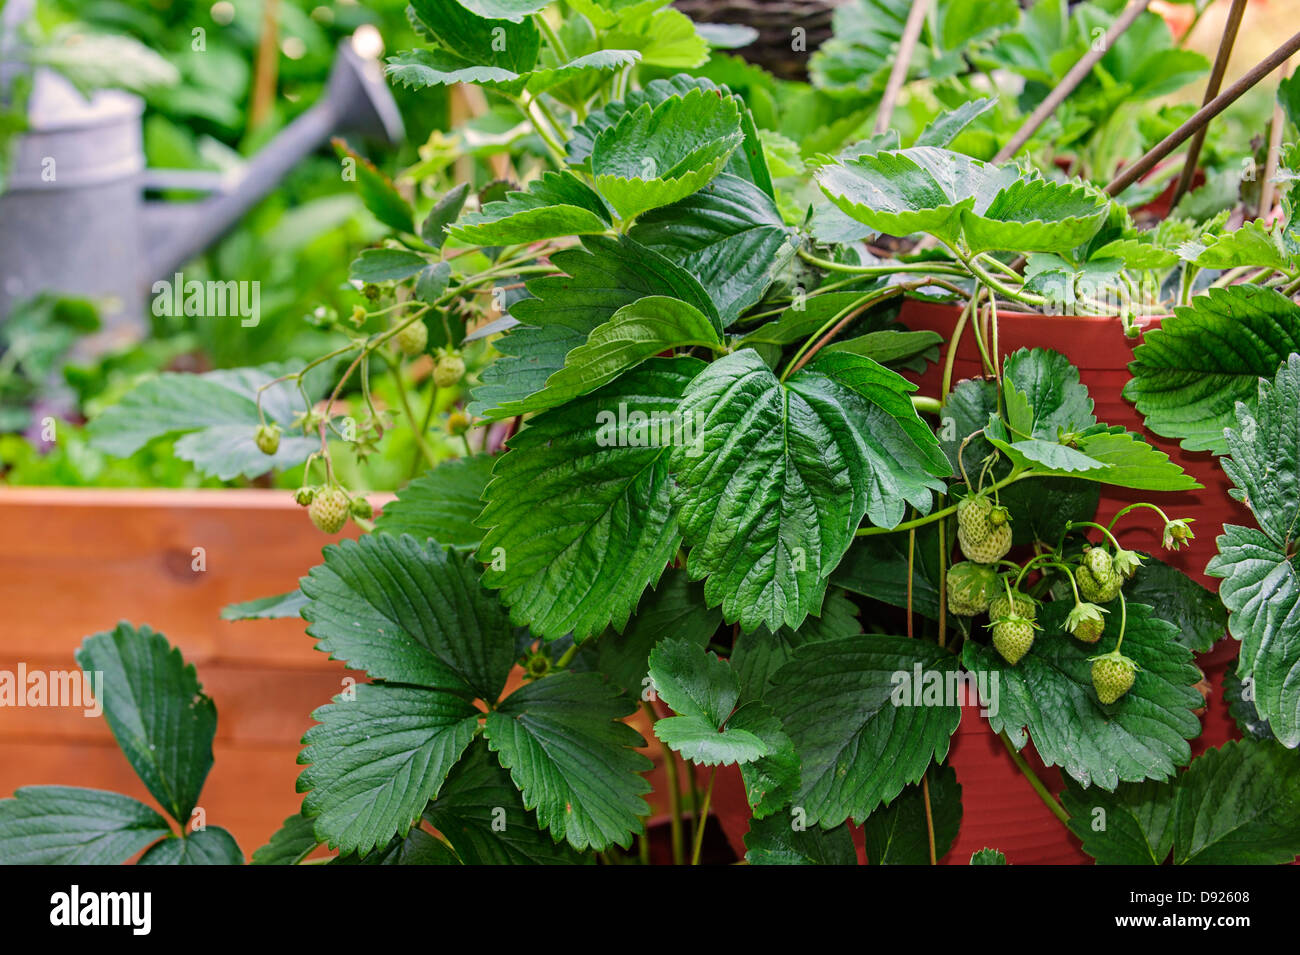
76,561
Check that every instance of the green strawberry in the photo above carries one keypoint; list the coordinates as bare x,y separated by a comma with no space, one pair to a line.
413,339
304,495
969,586
989,550
449,370
1112,675
1086,622
973,518
1018,605
1012,637
268,438
1099,581
329,510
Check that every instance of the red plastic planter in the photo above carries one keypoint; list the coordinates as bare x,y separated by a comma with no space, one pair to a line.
1101,352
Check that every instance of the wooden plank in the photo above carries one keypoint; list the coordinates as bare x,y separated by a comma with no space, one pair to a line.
75,561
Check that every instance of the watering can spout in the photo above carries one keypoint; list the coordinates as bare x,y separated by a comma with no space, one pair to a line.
357,100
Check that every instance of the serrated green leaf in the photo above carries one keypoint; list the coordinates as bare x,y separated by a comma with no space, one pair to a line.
1049,695
988,857
444,212
1134,825
654,156
484,42
514,10
1172,595
607,13
216,414
418,69
703,692
769,509
674,608
563,310
636,332
757,656
575,762
578,513
408,612
67,825
921,189
889,345
377,191
1189,373
1137,255
1240,697
275,607
210,846
416,848
558,204
729,235
665,38
600,61
1250,245
1034,215
947,126
386,265
899,834
156,708
290,844
1239,805
802,320
442,504
480,812
378,758
775,841
858,747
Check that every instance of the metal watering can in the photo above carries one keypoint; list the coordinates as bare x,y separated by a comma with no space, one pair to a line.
74,218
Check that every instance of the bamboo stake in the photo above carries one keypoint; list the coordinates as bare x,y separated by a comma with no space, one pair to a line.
1211,90
1133,173
1267,190
898,75
1071,80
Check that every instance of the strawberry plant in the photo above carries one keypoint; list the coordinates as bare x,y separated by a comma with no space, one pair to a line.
701,499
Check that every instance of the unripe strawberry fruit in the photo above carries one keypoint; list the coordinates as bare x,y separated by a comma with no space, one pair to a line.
458,423
360,507
1098,580
989,550
1012,637
968,587
329,510
973,518
449,370
413,339
1112,676
268,438
304,495
1020,605
1089,631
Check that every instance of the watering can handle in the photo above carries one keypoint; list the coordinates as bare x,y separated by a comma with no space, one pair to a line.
357,100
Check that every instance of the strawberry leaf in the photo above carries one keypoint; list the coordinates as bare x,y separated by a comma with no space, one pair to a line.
1189,373
575,761
210,846
898,834
1049,696
407,611
557,204
442,504
858,749
775,841
578,516
67,825
377,758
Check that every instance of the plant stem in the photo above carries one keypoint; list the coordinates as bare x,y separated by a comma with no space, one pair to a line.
1048,799
1011,478
929,816
902,60
674,792
552,37
831,266
703,818
396,367
834,324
